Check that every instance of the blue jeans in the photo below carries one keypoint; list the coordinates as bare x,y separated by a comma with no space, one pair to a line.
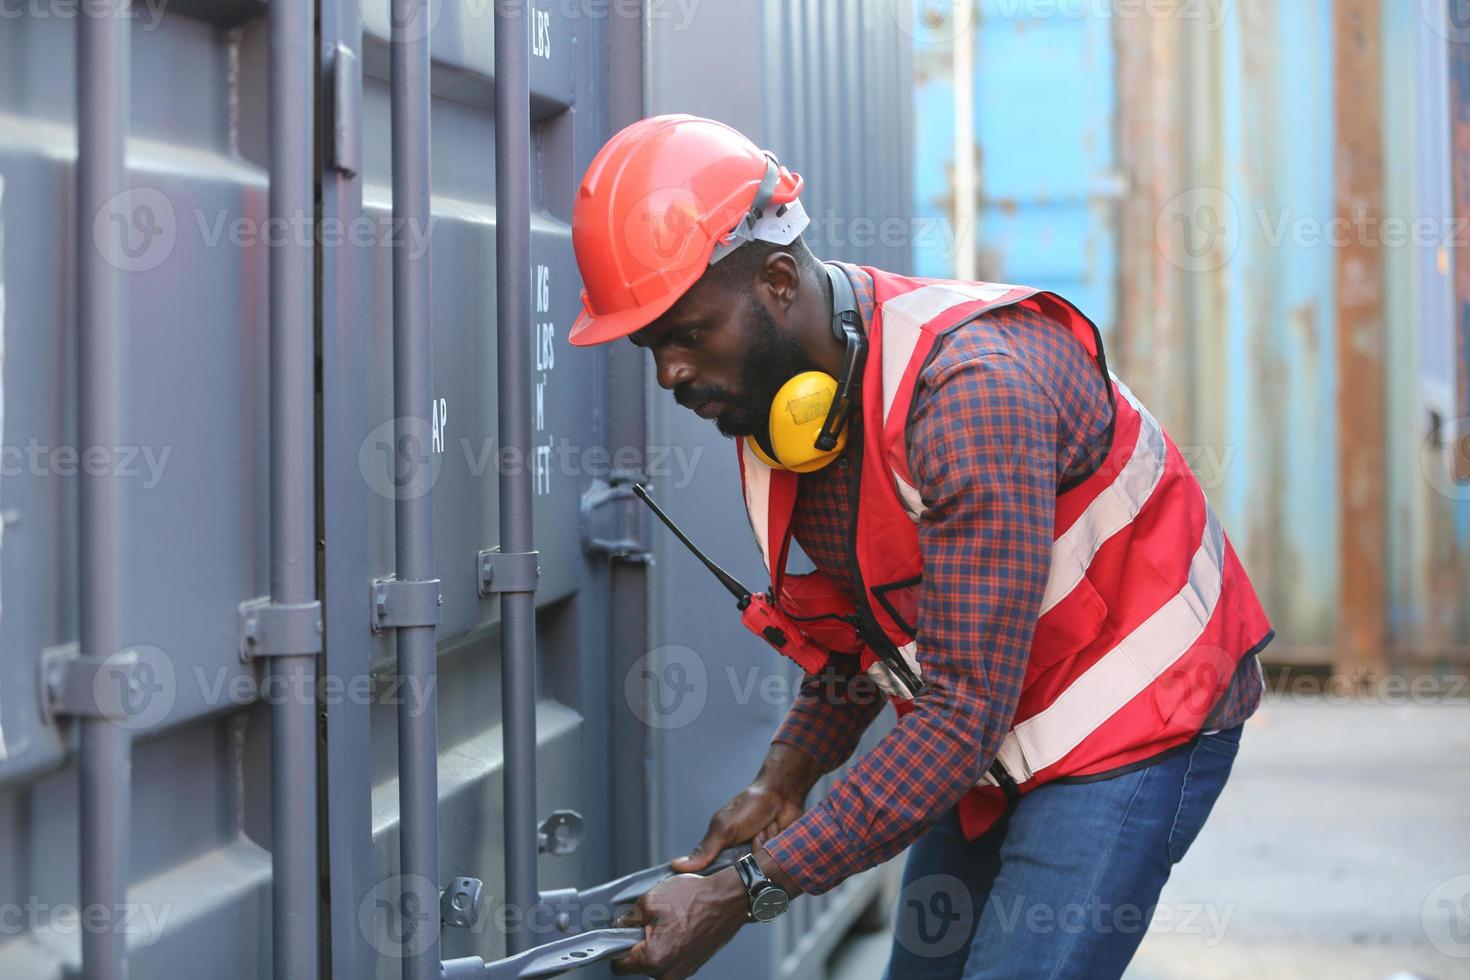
1063,886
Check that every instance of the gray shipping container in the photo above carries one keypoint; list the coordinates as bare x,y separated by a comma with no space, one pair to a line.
185,400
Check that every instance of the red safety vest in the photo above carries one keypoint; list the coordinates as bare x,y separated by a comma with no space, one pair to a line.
1147,610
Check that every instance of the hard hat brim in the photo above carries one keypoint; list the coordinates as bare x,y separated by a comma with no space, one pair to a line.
588,330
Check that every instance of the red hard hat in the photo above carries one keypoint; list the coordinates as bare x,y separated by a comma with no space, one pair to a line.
665,198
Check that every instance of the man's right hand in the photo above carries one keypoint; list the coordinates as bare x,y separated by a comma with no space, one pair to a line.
759,812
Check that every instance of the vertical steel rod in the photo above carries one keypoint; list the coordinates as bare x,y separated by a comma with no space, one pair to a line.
103,86
418,782
293,491
513,333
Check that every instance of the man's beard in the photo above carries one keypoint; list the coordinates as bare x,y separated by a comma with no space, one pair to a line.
773,358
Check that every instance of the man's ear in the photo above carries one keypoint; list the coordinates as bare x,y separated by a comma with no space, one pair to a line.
779,280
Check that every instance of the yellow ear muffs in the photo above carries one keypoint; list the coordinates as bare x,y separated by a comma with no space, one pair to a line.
761,454
797,415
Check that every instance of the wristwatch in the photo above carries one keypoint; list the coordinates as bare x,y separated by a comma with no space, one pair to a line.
767,899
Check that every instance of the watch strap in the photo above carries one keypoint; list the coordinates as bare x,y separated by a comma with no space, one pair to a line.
758,887
750,874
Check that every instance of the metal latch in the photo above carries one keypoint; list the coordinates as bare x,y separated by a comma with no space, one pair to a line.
459,904
612,521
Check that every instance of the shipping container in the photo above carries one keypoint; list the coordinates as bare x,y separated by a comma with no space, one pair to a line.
256,310
1263,206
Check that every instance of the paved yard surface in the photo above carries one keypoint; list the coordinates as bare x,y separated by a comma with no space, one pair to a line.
1340,850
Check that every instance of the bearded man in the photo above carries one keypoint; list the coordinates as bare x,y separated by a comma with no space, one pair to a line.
1006,543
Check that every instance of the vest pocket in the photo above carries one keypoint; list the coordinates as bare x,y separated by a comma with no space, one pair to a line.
1068,627
822,610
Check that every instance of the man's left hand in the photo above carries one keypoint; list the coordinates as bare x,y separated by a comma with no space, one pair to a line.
686,919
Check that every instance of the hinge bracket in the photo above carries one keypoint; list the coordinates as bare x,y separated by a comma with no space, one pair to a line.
502,571
398,604
269,629
117,688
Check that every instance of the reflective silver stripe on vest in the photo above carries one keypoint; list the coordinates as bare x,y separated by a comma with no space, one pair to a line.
757,487
1126,670
912,501
1114,509
904,317
884,678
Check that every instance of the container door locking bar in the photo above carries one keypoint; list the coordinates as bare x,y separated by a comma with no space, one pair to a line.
459,904
549,960
601,903
574,910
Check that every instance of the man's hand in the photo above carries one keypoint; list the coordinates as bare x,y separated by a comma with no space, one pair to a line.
686,919
760,811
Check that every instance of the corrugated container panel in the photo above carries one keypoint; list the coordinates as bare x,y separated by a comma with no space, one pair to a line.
1154,340
1248,299
1444,166
195,533
1232,176
1045,168
196,509
933,111
1228,281
576,712
816,85
1455,445
1237,350
1044,116
1279,491
1427,547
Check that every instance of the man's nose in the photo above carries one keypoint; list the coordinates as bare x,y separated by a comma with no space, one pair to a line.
672,370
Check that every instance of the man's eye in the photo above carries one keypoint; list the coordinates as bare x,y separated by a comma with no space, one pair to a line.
692,335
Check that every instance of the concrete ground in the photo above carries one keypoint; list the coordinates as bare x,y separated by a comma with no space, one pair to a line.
1340,850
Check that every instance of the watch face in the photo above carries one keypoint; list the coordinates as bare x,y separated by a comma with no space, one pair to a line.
770,903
